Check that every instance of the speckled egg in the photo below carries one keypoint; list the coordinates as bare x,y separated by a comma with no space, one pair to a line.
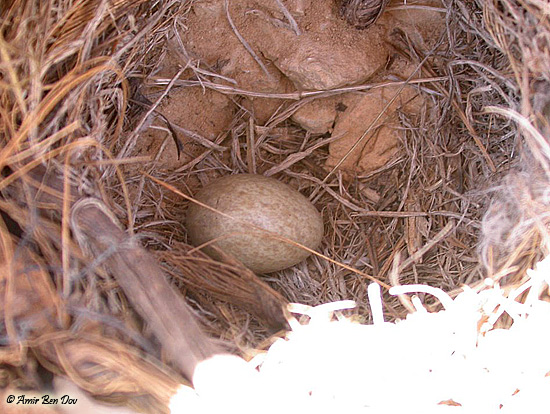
255,202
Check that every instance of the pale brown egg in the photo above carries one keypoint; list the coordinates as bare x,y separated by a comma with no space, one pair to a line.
255,202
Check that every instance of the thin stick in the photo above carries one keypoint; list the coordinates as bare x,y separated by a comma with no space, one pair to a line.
289,17
251,147
244,42
295,96
421,252
394,280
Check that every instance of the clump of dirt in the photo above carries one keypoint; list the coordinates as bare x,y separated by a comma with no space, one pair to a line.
321,52
319,115
195,116
368,129
268,50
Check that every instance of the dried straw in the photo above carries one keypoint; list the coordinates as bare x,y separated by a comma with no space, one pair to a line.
470,183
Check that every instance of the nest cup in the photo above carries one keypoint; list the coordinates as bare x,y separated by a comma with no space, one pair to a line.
428,162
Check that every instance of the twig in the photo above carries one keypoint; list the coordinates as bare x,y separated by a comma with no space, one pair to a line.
244,42
289,17
394,280
421,252
295,96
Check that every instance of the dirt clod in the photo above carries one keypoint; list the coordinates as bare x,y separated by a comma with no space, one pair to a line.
318,116
368,141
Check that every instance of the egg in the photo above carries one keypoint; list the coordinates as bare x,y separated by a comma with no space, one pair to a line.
254,202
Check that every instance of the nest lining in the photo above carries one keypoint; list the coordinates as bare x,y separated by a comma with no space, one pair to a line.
78,116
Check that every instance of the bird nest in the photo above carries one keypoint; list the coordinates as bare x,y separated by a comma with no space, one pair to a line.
421,137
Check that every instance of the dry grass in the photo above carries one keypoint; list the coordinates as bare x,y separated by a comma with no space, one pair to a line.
453,152
465,200
64,96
